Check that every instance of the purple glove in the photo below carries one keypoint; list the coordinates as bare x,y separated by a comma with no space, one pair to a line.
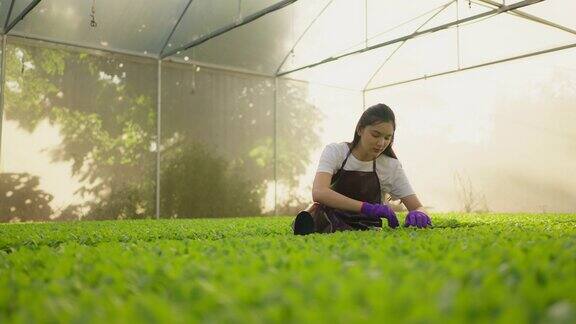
380,211
417,218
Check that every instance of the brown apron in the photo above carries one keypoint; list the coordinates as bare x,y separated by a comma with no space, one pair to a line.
358,185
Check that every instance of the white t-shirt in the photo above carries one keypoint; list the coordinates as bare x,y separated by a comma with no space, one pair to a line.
392,178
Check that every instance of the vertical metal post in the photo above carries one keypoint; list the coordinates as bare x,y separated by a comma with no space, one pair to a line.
363,99
275,146
458,33
158,136
365,23
239,13
2,91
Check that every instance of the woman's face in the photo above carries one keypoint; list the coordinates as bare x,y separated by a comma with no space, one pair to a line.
374,139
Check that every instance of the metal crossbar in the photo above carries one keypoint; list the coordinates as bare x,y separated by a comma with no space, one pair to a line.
425,77
226,29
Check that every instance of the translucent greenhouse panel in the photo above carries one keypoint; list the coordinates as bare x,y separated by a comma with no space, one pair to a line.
260,46
79,136
4,8
422,17
345,27
558,11
504,133
351,72
255,47
304,14
125,26
339,29
475,42
217,143
19,7
388,20
206,16
201,18
419,57
385,22
308,118
505,36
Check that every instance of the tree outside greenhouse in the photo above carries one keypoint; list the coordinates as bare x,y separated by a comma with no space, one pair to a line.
107,123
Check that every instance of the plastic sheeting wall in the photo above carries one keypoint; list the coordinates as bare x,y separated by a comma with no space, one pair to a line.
494,139
328,115
78,136
217,142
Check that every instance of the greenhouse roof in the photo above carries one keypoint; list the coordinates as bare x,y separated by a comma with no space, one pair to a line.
373,43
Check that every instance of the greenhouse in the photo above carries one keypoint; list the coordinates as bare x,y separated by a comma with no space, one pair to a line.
197,126
104,100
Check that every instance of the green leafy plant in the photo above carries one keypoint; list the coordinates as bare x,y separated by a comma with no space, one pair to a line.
494,268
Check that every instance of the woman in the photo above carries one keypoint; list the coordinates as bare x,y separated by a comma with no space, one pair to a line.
352,177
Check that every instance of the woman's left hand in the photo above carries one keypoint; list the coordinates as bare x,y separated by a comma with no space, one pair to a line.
417,218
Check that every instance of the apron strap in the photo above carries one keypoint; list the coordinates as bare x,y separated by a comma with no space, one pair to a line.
337,174
346,158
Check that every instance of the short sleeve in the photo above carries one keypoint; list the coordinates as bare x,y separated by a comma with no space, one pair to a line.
330,159
400,187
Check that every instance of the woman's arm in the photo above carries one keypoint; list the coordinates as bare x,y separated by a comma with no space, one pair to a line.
322,193
412,203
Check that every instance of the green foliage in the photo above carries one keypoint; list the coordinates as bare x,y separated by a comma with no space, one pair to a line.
467,269
196,182
298,132
105,111
20,198
106,127
126,203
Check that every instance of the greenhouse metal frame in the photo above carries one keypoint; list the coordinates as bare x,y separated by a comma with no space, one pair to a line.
170,54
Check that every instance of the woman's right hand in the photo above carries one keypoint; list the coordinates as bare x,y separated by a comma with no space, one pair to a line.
381,211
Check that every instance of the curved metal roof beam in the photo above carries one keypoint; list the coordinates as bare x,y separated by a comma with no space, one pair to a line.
393,28
302,36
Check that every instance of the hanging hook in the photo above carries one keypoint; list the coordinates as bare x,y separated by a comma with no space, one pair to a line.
93,22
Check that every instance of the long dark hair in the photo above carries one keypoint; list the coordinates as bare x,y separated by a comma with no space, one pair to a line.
374,115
